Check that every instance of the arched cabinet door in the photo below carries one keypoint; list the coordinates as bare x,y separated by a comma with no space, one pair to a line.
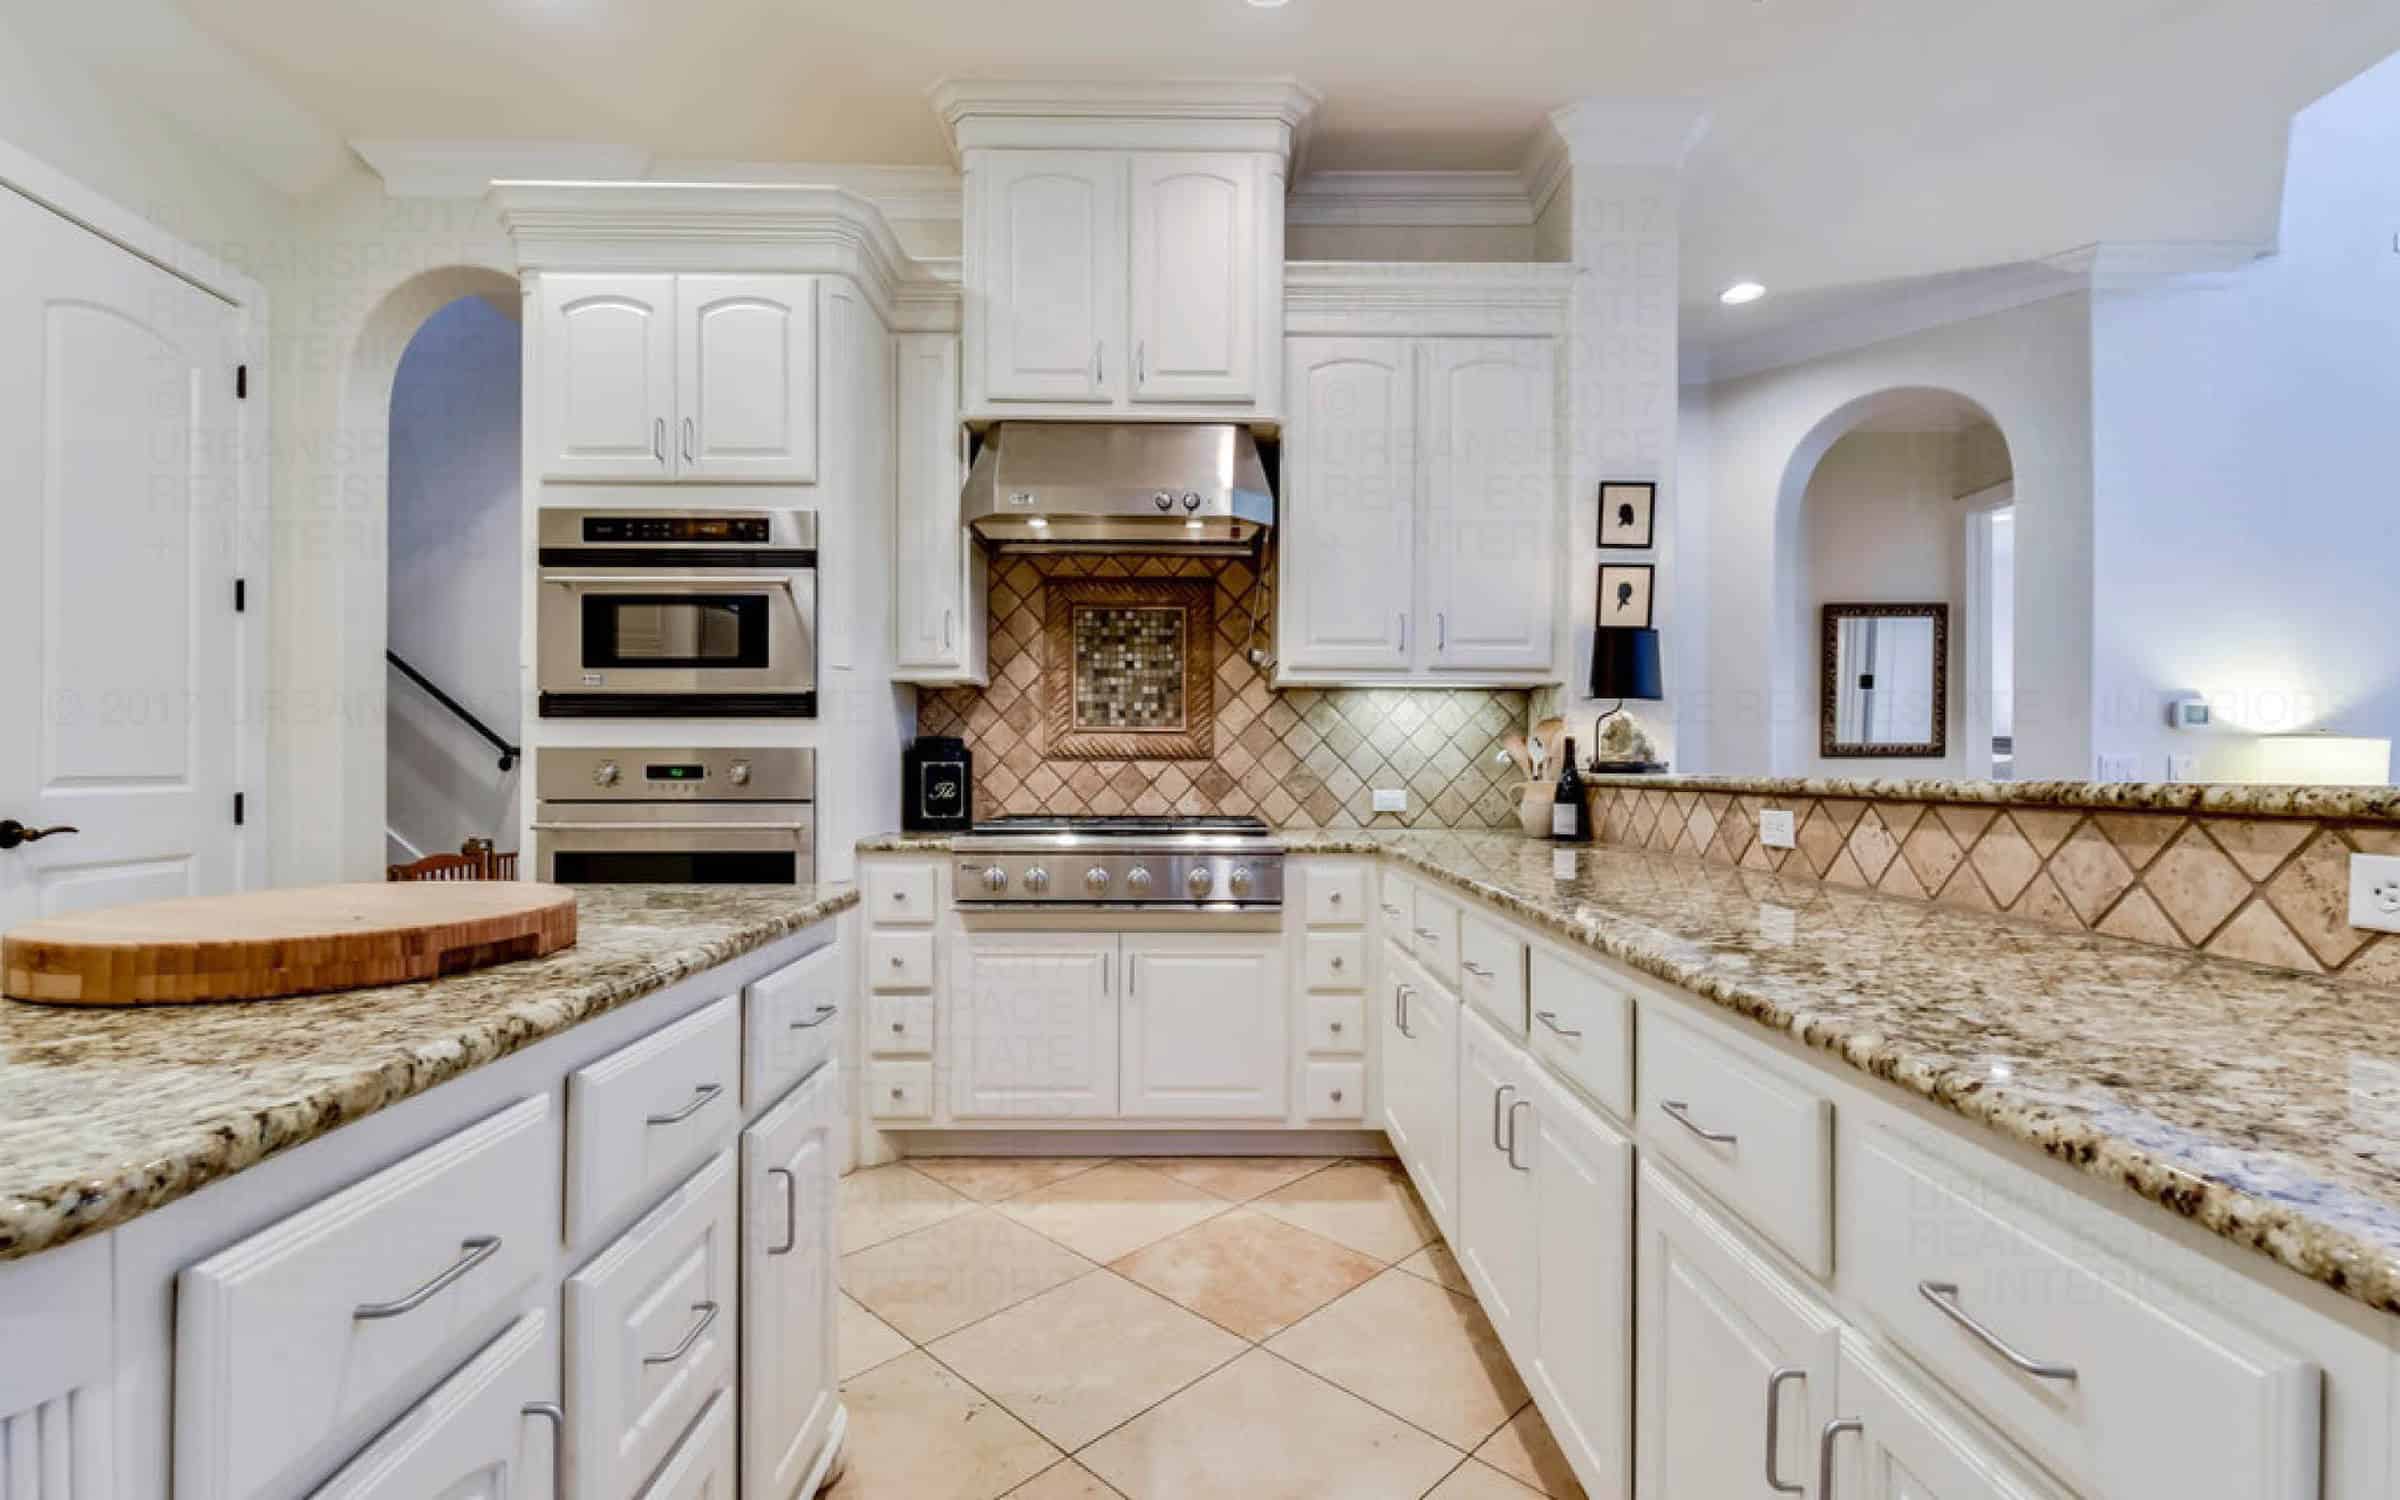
1051,277
606,370
1491,515
1348,503
1195,277
747,356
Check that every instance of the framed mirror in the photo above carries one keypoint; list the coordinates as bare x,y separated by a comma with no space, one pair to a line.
1886,680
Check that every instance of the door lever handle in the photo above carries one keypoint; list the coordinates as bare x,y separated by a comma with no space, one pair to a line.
13,833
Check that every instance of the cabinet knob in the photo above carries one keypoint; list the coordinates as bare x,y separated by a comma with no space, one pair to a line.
1337,963
1337,1028
898,1027
898,962
1337,1096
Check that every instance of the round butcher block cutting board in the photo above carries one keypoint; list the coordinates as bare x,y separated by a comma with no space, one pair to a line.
262,944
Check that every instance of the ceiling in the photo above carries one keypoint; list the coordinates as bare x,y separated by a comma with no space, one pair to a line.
1852,142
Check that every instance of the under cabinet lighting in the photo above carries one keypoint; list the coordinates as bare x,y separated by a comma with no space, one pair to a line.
1038,523
1741,292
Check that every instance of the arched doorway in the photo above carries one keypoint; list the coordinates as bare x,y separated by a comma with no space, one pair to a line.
1902,497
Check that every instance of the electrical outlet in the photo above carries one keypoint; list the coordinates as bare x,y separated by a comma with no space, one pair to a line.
2375,892
1391,799
2182,767
2117,768
1775,828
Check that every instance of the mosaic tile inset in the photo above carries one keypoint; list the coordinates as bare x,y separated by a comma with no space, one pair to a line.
1128,667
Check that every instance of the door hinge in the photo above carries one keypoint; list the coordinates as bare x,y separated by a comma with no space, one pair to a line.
241,595
237,809
241,382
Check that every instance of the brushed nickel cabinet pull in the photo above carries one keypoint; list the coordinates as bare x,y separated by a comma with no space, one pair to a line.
1775,1384
1680,1113
1825,1452
791,1210
1549,1018
1498,1094
823,1014
1944,1295
478,1250
556,1416
691,1335
702,1097
1513,1107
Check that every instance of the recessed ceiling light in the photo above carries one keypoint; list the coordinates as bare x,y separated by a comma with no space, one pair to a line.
1741,292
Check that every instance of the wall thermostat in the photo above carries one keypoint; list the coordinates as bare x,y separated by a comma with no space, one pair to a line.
2188,713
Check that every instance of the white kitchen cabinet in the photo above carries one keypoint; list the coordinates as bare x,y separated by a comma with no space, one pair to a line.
702,1465
607,376
938,582
1196,261
1899,1441
746,378
1491,503
1049,278
1498,1152
489,1432
698,378
1420,1090
1348,504
1205,1033
1033,1025
789,1394
1735,1366
1582,1367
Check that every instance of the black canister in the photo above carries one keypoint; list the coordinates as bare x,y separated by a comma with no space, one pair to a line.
937,780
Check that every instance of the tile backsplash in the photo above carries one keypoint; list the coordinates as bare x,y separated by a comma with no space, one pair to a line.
1301,758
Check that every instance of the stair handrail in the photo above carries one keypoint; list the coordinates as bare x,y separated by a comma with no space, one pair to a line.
509,754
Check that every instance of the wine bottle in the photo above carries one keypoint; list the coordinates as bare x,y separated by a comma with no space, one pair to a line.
1570,815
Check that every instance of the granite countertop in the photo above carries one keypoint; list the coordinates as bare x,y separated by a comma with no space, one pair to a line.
108,1113
2370,804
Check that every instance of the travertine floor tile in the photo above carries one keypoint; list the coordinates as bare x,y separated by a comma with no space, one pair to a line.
1417,1351
988,1179
1366,1205
1261,1430
1525,1451
1248,1271
861,1340
1081,1358
941,1279
1436,1264
883,1203
1067,1481
917,1431
1238,1178
1113,1210
1474,1480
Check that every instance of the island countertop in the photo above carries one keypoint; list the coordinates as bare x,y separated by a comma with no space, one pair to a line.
107,1114
2261,1104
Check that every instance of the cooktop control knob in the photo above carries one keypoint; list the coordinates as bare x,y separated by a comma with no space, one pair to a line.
738,773
1095,880
1163,500
995,880
1239,880
1137,880
1199,881
1191,499
606,773
1037,880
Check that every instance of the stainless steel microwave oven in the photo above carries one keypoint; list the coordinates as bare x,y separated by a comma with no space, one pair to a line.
659,614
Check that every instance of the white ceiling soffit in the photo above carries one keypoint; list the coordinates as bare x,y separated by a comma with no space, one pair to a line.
467,169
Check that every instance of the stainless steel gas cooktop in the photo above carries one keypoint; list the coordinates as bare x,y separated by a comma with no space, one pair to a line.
1198,863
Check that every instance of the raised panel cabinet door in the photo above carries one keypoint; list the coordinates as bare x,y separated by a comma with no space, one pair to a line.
1491,504
1195,277
746,382
790,1166
1051,291
940,613
1908,1446
1421,1088
607,376
474,1438
1348,562
1033,1026
1205,1032
1583,1248
1717,1330
1498,1154
702,1466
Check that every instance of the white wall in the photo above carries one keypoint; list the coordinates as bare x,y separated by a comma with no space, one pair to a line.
2029,369
2247,467
457,575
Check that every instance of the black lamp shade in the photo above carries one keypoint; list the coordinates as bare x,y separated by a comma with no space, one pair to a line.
1625,663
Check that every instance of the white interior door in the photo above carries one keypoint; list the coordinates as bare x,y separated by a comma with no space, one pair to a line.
1348,565
1195,277
1053,275
1033,1025
1205,1032
1491,503
746,377
122,508
788,1389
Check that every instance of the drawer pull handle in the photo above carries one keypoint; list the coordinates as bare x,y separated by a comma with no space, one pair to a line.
1944,1295
702,1097
1391,911
898,962
1825,1452
1549,1018
1476,969
791,1210
1775,1384
1337,1028
1334,896
823,1014
1337,963
691,1335
1499,1094
1514,1106
1337,1096
1400,1011
478,1250
556,1416
898,1027
1428,934
1680,1112
899,898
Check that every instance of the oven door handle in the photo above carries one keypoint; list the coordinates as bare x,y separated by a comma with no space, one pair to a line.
541,827
669,580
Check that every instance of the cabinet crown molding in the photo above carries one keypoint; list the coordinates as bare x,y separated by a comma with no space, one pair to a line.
1425,297
1630,132
1231,114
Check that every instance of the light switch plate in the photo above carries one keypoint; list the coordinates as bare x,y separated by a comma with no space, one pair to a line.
2182,767
1775,828
2117,768
2375,892
1391,799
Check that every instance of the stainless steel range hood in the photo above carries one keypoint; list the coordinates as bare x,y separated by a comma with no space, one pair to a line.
1189,487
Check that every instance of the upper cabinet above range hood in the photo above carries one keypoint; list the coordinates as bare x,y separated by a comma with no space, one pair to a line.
1189,487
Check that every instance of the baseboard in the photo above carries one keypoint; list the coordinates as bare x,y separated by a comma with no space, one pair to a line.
1139,1142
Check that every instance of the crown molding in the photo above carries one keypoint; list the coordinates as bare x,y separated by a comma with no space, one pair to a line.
1426,297
934,194
2132,264
1630,132
932,299
1234,114
467,169
1409,198
1544,170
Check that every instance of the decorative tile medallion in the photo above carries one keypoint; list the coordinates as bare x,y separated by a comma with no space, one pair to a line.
1131,670
1128,667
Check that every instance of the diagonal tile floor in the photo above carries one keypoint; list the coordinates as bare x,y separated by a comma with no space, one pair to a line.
1169,1328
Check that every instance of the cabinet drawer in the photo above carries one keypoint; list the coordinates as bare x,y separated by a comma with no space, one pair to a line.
789,1021
1336,1090
900,1025
702,1468
2164,1399
1337,895
1395,903
1583,1029
1762,1143
472,1436
346,1310
645,1115
900,895
1433,934
1336,1023
900,960
900,1090
650,1335
1491,965
1336,961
